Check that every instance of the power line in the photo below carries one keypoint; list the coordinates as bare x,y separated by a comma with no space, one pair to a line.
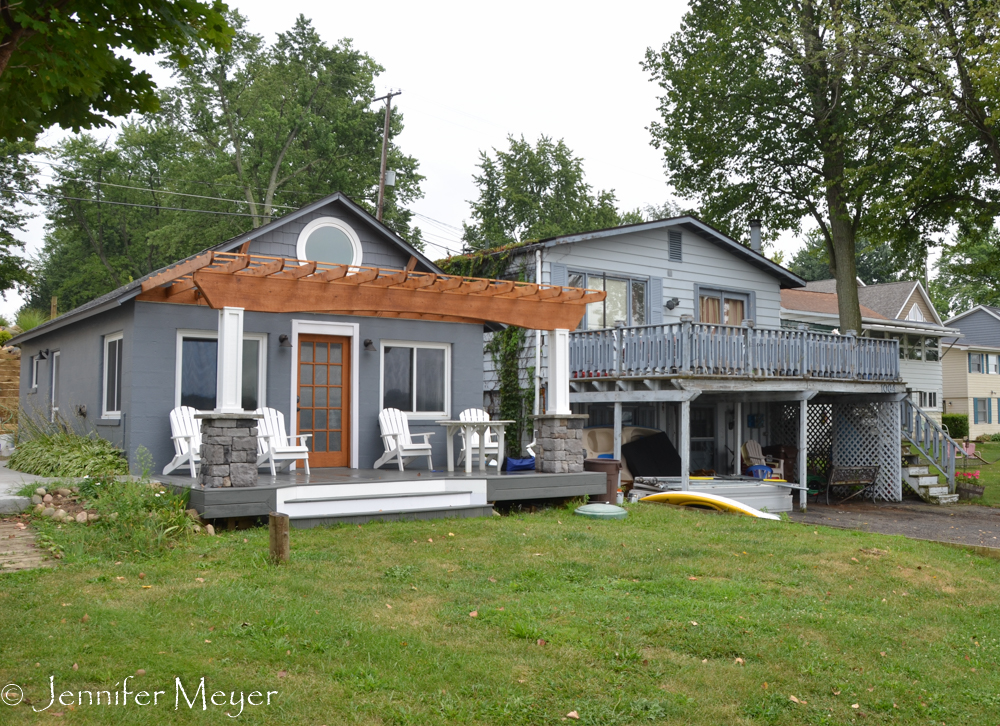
135,204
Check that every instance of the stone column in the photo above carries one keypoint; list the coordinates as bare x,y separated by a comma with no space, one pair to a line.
560,443
228,449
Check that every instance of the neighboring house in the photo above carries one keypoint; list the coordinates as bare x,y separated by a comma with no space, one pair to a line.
690,340
898,311
324,341
972,369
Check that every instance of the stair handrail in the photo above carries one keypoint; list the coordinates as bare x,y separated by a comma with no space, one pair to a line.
930,439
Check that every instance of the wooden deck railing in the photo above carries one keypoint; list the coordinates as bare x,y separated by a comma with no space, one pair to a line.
699,349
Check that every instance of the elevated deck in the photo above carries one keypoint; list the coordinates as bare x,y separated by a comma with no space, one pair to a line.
701,350
341,495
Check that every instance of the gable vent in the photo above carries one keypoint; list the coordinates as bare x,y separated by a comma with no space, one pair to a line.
675,251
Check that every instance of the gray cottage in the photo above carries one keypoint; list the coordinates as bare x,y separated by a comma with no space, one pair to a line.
324,315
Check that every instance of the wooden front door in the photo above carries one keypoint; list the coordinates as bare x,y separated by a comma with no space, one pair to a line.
324,398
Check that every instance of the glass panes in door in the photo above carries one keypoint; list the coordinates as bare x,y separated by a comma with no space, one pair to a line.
323,398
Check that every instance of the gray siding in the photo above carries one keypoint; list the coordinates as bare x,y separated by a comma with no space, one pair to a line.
980,328
149,372
376,250
644,254
81,370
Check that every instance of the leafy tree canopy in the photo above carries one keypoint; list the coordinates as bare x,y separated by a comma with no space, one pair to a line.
533,192
968,271
787,110
17,186
875,263
245,136
60,61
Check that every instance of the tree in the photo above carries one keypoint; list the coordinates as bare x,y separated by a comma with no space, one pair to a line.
968,271
295,117
782,110
172,183
60,62
534,192
17,187
875,263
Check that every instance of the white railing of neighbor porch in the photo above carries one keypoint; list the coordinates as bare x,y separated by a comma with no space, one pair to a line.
698,349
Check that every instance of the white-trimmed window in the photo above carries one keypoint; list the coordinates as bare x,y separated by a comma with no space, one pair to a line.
625,301
197,369
416,378
54,389
723,307
328,239
35,360
111,404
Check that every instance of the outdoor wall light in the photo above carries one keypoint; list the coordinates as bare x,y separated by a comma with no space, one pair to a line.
672,303
284,342
43,354
370,346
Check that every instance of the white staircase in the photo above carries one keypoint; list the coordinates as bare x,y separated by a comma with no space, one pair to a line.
926,445
420,498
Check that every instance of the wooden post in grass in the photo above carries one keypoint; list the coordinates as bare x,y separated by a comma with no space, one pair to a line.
280,545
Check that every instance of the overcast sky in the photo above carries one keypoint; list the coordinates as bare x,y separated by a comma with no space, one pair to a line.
472,73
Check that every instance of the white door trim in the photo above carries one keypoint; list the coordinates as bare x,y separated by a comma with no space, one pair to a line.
320,327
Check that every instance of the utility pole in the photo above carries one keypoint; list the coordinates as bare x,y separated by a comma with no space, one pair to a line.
385,149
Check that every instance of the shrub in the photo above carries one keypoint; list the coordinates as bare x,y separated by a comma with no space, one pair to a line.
5,335
28,318
995,437
54,450
957,423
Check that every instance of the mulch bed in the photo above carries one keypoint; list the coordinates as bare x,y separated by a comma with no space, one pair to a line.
961,524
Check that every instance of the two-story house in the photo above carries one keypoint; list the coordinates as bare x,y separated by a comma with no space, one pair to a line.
690,341
972,369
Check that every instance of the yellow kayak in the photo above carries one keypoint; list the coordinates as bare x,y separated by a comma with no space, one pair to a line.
708,501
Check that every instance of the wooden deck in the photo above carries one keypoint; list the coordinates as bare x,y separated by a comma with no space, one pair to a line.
361,485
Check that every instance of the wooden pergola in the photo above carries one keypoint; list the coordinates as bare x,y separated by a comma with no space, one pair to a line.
281,285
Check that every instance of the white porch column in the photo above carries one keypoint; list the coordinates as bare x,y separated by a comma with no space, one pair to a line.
738,439
685,445
557,396
229,378
803,454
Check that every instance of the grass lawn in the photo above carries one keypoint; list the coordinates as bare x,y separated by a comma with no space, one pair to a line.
989,474
667,617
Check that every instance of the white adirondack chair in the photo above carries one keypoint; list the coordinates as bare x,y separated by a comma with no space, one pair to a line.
185,431
275,445
398,442
472,448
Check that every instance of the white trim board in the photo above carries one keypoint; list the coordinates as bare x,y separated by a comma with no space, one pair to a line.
346,330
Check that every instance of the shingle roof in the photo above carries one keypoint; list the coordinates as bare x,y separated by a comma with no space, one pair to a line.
886,298
811,301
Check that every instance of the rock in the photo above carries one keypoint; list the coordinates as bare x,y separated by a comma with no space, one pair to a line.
93,517
47,498
209,529
60,513
63,492
36,499
113,516
76,490
39,508
48,512
41,491
81,518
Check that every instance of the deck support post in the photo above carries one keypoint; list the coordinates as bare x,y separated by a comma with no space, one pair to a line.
738,439
803,453
229,376
685,445
557,395
618,430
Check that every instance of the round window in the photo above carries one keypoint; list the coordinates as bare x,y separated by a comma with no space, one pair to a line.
329,240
